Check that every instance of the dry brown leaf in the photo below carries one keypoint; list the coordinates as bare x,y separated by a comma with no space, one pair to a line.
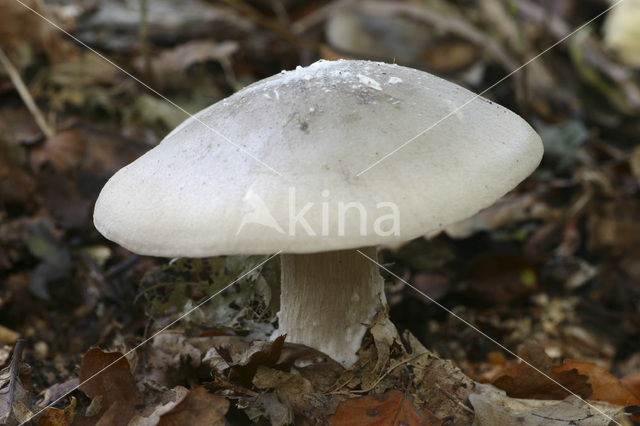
245,369
508,210
289,383
199,407
151,415
56,417
525,382
63,151
180,58
269,406
632,382
58,390
450,55
8,336
386,340
494,408
606,387
391,408
441,387
19,25
108,377
167,358
499,278
522,381
613,227
292,389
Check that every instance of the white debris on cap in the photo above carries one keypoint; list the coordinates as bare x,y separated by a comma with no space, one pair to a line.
196,194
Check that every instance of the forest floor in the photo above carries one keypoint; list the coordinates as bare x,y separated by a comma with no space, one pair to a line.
551,272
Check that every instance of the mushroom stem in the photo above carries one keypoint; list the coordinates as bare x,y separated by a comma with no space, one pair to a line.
327,297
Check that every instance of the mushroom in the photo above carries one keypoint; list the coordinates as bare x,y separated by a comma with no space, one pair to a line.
323,164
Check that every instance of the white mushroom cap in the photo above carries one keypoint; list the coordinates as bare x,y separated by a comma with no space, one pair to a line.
196,194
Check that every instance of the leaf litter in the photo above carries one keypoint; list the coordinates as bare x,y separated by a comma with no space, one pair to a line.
554,263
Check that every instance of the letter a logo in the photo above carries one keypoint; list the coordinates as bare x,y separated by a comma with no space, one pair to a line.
257,212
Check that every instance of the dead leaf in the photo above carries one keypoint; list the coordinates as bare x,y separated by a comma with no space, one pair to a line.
108,376
64,151
432,284
17,186
268,378
450,55
56,417
292,389
606,387
19,25
174,397
391,408
499,278
522,381
386,340
632,382
494,408
8,336
352,30
269,406
111,29
613,228
439,386
508,210
246,368
167,358
199,407
57,391
178,59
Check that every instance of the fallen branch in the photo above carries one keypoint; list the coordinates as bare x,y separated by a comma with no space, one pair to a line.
14,370
15,78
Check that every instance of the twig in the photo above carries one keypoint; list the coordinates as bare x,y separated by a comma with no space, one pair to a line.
454,399
14,370
271,24
143,33
14,75
319,15
386,373
381,377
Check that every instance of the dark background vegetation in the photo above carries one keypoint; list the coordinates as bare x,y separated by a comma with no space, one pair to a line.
557,262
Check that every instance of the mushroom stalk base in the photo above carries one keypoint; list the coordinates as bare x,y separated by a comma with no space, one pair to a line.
326,297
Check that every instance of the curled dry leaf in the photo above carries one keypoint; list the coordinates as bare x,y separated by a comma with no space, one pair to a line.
178,59
167,358
64,151
494,408
268,405
606,387
507,211
58,390
439,385
391,408
56,417
293,390
174,397
198,408
107,376
246,368
522,381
